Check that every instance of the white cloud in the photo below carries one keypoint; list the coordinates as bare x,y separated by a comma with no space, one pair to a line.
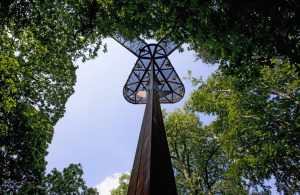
108,184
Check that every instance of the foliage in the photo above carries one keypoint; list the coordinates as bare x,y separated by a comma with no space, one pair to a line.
258,124
39,42
255,95
23,147
69,181
67,26
34,74
35,85
198,160
243,36
200,164
123,185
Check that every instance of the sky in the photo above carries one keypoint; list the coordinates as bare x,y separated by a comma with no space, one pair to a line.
100,128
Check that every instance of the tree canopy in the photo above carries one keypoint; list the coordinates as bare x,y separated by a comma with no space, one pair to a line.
259,125
200,164
69,181
123,185
254,95
243,35
39,42
23,148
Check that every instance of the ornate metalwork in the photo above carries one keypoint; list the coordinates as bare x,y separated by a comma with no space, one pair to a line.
169,86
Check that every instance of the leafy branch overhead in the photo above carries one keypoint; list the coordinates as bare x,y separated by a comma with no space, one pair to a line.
243,36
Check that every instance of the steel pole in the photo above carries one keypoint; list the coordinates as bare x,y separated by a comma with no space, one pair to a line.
152,172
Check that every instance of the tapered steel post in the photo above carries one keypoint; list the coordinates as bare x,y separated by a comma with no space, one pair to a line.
152,172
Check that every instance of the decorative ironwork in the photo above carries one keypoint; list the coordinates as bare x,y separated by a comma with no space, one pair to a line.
169,86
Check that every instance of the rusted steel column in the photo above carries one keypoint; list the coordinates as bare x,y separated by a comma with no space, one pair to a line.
152,172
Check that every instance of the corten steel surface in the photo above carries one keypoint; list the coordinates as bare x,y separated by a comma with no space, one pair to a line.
169,86
152,172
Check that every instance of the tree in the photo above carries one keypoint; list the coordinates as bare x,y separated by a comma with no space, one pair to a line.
35,85
123,185
257,124
67,26
39,42
244,36
23,148
69,181
198,160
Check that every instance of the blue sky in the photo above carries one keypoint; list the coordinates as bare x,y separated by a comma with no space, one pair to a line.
100,128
